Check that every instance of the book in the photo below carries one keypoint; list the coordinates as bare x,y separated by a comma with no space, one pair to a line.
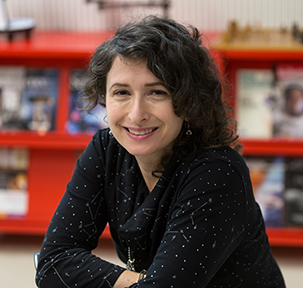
79,121
13,182
12,82
253,102
39,99
293,194
14,158
288,108
268,182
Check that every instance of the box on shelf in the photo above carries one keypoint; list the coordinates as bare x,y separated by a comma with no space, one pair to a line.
270,101
13,182
79,120
39,99
253,106
12,83
294,192
28,98
288,108
268,181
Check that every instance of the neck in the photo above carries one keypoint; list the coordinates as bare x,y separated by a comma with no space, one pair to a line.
146,168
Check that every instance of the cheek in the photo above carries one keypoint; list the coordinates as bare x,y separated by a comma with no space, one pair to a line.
112,109
176,124
111,115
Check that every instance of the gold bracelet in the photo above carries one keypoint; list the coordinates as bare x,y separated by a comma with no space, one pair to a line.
141,275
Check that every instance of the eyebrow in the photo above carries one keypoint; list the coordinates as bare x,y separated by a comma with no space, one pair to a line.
152,84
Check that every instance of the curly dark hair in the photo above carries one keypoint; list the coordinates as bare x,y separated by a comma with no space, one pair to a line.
174,54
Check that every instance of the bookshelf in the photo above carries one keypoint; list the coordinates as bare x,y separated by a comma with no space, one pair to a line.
52,155
231,58
286,147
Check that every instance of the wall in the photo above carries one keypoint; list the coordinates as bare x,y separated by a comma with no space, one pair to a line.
210,15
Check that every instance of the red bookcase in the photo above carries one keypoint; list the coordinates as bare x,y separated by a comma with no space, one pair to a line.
52,155
233,58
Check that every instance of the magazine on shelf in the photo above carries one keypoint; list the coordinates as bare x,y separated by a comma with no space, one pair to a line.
12,82
294,192
253,102
268,181
79,121
39,99
13,182
288,108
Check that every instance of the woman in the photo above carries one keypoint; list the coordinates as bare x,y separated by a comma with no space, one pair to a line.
177,197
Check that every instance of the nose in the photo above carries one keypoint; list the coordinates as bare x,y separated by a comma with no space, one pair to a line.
138,110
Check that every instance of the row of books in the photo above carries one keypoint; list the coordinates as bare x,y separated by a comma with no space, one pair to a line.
13,182
278,187
277,183
14,193
269,102
29,97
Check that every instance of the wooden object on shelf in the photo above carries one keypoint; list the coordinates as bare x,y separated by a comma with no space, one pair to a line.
257,38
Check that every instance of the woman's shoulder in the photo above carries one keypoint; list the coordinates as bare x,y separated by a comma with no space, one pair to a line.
226,154
222,156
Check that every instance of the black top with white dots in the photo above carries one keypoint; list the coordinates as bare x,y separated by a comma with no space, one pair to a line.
199,227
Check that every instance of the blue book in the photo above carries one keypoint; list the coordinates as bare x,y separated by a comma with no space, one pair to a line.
294,192
268,181
79,120
39,99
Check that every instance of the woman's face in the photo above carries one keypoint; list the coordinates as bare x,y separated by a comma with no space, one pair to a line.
139,109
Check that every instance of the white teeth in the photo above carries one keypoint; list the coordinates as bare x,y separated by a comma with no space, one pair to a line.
140,132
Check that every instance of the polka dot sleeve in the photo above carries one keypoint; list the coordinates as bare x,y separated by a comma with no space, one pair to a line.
65,258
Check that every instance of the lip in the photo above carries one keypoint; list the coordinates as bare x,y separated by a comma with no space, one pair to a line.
140,133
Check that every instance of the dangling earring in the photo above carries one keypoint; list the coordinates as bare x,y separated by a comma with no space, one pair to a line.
110,133
188,132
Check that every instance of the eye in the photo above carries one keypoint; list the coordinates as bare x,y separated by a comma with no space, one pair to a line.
159,93
121,93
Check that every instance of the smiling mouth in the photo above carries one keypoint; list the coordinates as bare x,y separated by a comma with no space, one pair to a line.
142,132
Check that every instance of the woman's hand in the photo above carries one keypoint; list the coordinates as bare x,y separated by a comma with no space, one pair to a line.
126,279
